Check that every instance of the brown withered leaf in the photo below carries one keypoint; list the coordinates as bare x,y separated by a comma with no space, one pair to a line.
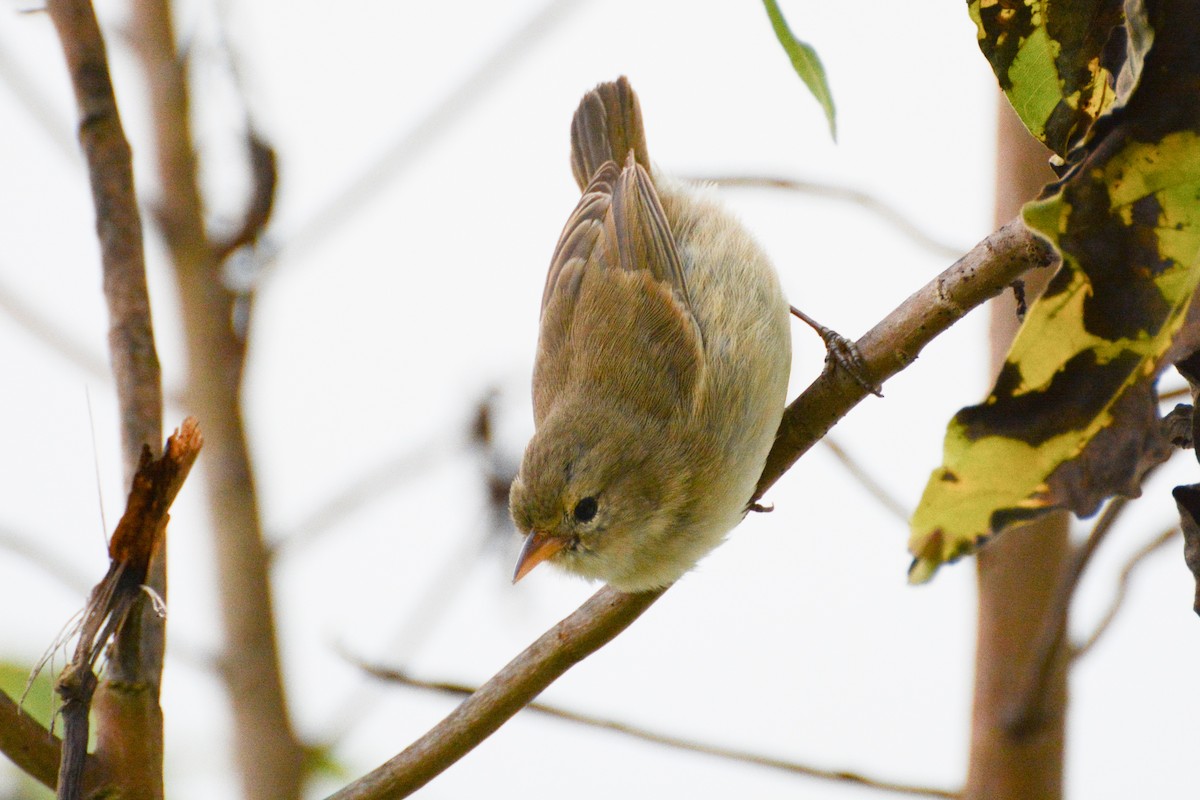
1116,459
1187,498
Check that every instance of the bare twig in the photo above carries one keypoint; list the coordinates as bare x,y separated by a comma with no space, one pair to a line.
868,202
347,204
264,171
118,225
442,581
889,347
1022,715
358,493
29,548
138,537
130,714
674,742
57,339
27,744
1122,590
872,486
50,334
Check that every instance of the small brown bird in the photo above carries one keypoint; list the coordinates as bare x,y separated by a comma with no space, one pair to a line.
661,372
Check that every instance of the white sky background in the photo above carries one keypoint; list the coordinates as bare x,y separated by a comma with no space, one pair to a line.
799,638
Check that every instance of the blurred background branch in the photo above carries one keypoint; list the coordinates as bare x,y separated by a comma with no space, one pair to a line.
269,755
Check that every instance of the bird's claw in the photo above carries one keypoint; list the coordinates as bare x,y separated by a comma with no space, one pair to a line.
843,352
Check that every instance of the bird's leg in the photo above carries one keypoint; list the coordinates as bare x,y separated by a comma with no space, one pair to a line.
841,351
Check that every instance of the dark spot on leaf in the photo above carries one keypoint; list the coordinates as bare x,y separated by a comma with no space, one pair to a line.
1059,283
1120,261
1072,399
1005,517
948,476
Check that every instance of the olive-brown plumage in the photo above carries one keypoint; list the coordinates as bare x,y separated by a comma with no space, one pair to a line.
661,368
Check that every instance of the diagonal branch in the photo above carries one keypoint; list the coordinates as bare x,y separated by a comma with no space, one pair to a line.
1122,591
890,346
864,200
633,731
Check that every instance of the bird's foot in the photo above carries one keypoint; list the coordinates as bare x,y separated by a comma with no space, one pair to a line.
841,351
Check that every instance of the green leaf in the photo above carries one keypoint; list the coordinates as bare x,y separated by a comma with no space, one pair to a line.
39,701
1077,380
805,62
1051,61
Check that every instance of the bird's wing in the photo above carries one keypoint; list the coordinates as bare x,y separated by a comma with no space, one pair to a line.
617,321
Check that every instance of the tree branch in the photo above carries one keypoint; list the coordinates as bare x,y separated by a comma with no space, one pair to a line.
1136,560
119,227
867,481
128,752
127,707
269,756
595,623
889,347
673,742
347,204
868,202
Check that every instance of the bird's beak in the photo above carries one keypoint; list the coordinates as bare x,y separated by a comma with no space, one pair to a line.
537,548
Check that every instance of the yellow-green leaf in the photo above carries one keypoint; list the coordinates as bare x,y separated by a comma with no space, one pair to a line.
1071,417
1127,223
1051,61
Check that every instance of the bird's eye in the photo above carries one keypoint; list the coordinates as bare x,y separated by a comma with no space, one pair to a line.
585,509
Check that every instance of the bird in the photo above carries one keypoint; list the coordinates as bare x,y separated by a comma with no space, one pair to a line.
661,370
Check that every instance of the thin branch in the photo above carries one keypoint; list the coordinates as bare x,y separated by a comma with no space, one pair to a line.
673,742
442,581
118,225
32,748
30,548
130,714
57,339
348,203
864,478
889,347
867,202
1122,590
111,607
360,492
49,333
1023,714
264,173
